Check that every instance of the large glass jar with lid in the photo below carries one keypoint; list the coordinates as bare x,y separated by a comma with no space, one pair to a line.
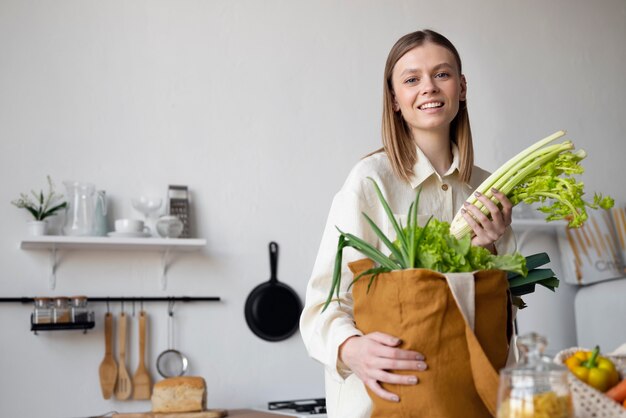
536,387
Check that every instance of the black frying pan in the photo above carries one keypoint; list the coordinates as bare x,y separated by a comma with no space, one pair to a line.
273,309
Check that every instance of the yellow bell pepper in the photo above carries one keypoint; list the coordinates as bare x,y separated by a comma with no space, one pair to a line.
597,371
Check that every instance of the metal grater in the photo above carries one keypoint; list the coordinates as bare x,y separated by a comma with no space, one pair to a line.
178,205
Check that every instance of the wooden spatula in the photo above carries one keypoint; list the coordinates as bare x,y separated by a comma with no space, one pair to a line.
124,386
108,367
142,384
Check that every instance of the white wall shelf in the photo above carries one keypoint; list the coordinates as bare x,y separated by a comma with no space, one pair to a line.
523,227
54,243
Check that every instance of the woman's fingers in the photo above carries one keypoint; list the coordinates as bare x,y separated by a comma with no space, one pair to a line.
388,348
488,228
382,393
507,206
373,357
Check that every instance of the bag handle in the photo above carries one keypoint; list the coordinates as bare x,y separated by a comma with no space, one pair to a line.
486,378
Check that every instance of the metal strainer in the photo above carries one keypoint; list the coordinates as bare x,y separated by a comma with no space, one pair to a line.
171,362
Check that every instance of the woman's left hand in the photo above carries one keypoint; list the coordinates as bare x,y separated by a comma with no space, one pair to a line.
488,228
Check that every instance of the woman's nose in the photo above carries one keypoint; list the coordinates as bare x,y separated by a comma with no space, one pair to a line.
428,85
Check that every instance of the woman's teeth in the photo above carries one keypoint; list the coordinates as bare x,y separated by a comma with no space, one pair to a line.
430,105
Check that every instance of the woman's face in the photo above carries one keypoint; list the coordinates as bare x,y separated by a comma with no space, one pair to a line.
427,87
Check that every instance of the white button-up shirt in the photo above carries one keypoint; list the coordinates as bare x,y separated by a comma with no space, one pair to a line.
324,332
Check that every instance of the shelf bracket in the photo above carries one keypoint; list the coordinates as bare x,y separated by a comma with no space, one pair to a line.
53,268
164,267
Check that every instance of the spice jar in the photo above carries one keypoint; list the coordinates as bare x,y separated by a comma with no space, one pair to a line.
61,310
536,387
79,309
43,311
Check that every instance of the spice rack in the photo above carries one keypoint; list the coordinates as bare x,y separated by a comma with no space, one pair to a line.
89,324
166,246
108,299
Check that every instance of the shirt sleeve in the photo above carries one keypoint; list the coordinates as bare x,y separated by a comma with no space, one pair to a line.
323,332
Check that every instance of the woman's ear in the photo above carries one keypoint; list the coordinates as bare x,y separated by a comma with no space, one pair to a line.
463,88
395,105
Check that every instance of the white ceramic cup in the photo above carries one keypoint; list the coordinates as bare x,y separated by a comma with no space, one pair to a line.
129,225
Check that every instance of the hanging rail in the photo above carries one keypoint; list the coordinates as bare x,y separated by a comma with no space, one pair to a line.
25,300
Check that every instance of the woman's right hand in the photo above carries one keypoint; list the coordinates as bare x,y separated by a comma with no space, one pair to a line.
371,356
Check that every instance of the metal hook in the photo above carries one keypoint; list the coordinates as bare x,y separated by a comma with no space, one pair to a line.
170,307
122,305
108,307
141,304
133,308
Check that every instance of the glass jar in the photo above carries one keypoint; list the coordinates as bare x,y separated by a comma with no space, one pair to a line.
535,387
61,310
80,314
43,311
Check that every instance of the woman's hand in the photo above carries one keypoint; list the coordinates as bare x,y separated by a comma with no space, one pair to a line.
370,356
487,231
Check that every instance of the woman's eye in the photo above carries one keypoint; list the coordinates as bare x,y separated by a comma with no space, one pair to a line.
442,75
411,80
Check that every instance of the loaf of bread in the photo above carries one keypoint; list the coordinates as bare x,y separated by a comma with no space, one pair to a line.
179,394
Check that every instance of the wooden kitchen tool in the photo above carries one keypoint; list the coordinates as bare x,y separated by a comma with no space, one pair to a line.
108,367
142,384
211,413
124,386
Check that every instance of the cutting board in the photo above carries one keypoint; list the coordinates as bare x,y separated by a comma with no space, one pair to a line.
212,413
239,413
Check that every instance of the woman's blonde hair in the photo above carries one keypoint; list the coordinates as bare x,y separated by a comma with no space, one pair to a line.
398,142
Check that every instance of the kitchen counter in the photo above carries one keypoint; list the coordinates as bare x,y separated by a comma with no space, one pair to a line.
238,413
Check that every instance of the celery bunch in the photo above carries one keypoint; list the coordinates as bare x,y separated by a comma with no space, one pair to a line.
541,173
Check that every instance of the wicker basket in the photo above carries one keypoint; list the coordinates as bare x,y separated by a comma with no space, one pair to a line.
588,402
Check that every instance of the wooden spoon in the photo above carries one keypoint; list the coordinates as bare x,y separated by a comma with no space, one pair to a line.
124,386
142,384
108,367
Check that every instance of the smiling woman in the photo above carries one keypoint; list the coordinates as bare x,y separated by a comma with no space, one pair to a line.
427,144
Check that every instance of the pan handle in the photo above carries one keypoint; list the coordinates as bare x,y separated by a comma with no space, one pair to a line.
273,261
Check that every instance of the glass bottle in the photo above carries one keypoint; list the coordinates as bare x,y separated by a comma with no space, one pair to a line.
535,387
80,314
61,310
43,311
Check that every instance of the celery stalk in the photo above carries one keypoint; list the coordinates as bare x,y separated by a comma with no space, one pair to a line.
526,178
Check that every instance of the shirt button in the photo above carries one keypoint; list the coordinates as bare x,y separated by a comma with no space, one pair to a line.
444,187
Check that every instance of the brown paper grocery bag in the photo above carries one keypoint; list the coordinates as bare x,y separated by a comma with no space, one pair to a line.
464,348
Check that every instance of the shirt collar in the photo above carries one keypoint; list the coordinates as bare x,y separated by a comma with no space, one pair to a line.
423,169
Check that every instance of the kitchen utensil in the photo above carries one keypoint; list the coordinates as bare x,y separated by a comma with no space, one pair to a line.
108,367
273,309
171,362
124,386
178,205
100,227
142,384
80,213
169,226
147,205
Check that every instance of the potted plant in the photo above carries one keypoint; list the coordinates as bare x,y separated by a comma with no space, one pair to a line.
40,207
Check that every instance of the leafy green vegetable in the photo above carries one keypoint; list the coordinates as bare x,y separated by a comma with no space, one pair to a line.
431,247
541,173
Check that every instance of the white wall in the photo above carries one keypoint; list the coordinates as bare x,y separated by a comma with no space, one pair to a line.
261,108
